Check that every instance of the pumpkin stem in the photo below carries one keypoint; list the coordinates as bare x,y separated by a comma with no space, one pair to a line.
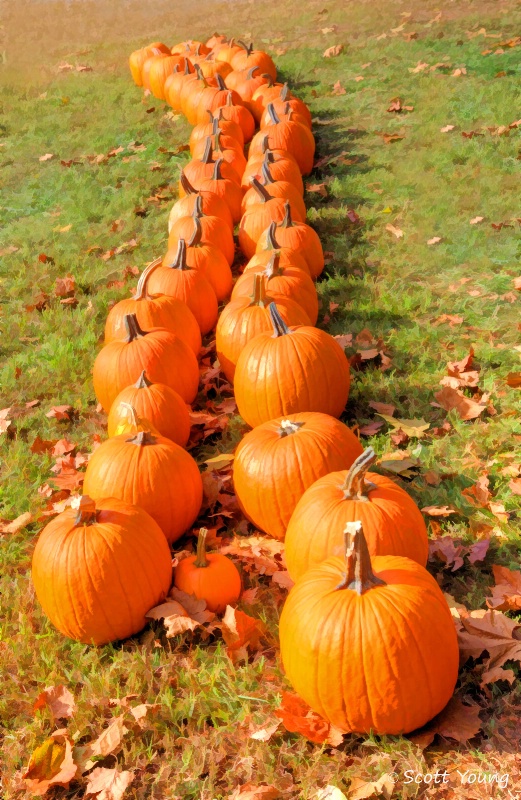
200,559
141,289
196,236
273,114
279,326
207,155
217,175
179,261
142,438
284,92
132,328
220,82
273,266
217,140
359,575
265,146
142,382
229,100
287,222
355,486
185,183
210,114
200,75
264,196
266,174
269,157
86,508
197,213
258,296
271,242
187,66
287,427
288,111
251,72
247,47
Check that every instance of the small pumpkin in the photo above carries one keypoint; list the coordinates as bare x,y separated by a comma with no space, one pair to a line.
208,259
392,522
275,188
156,403
259,216
177,279
238,114
244,318
287,257
154,311
165,357
138,58
216,41
98,568
277,461
287,135
296,235
369,643
212,205
247,57
209,576
247,83
282,166
290,370
212,231
151,471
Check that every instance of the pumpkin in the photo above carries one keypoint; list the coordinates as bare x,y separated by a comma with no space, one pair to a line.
209,576
159,71
151,471
283,189
212,231
392,522
290,370
226,189
216,123
285,112
247,82
198,170
138,58
154,311
212,206
227,148
98,568
156,403
277,461
208,259
216,41
245,317
165,357
297,236
213,98
147,67
282,166
191,94
211,68
287,135
265,94
369,643
238,114
282,281
259,216
175,83
247,57
190,46
280,99
287,257
227,51
178,279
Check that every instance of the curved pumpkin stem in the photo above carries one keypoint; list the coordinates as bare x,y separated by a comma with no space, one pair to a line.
220,82
201,560
208,154
197,213
259,296
179,261
132,328
251,72
142,438
196,236
265,146
86,511
229,99
187,66
266,174
142,382
213,121
141,289
355,486
273,114
273,267
284,92
247,47
185,183
279,326
269,157
287,222
359,575
217,175
288,426
264,196
271,241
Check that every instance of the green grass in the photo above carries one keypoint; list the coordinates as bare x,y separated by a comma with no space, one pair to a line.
428,184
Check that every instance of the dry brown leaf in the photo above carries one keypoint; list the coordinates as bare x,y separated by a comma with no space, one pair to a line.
333,51
109,741
338,88
46,157
476,220
457,721
17,524
59,701
241,633
438,511
466,408
514,380
297,717
382,408
383,787
434,240
175,618
447,128
330,792
414,428
251,791
108,784
489,631
506,594
478,494
51,764
283,579
515,486
394,230
265,731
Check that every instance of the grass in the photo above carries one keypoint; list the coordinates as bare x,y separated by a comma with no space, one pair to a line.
427,184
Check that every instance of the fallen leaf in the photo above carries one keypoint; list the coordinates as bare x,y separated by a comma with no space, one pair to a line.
265,732
283,579
383,787
333,51
447,128
58,700
498,509
251,791
476,220
330,792
319,188
447,551
176,618
338,88
65,286
478,494
491,632
371,429
506,594
438,511
109,741
297,717
346,340
514,380
61,412
395,231
220,461
466,408
51,764
108,784
46,157
389,138
414,428
434,240
457,721
17,524
241,633
515,486
401,466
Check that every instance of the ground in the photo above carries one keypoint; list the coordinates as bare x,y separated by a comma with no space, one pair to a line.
417,204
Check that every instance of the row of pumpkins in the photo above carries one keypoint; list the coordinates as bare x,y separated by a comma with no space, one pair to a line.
366,634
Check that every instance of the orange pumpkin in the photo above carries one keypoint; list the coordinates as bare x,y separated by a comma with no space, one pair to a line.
138,58
296,235
156,403
98,568
212,231
392,522
225,147
164,356
212,206
265,94
369,643
287,135
275,188
259,216
175,83
159,71
277,461
226,189
199,170
152,472
209,576
213,98
290,370
247,82
147,67
227,51
287,257
287,111
191,46
282,166
154,311
216,123
247,57
244,318
238,114
280,98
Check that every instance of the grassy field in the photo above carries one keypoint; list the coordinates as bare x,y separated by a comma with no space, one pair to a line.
419,213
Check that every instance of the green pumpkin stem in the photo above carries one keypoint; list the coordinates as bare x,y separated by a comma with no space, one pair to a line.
185,183
258,296
355,486
141,289
142,382
279,326
288,426
273,114
132,328
264,196
359,575
201,559
87,513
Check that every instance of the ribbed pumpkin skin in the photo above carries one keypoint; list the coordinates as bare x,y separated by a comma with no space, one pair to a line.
241,321
229,150
159,71
302,239
219,583
158,404
193,288
280,106
287,258
158,311
385,661
305,370
291,136
244,60
213,206
227,190
257,218
392,523
138,58
164,357
289,282
161,478
227,127
213,232
241,116
282,168
271,471
96,582
283,189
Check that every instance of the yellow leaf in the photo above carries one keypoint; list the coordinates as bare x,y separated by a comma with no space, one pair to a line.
51,764
414,428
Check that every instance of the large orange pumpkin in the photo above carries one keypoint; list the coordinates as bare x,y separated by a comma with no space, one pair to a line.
212,231
153,311
164,356
244,318
287,256
211,99
176,82
224,188
275,188
138,58
98,568
212,205
287,135
296,235
209,576
247,57
280,100
282,165
225,147
277,461
369,643
247,83
216,123
393,524
258,216
238,114
152,472
159,71
290,370
199,170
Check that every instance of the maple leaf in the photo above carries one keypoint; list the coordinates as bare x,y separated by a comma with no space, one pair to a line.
434,240
457,721
330,792
51,764
58,700
338,88
476,220
413,428
371,429
220,461
346,340
333,51
492,632
65,286
109,741
445,549
506,594
175,618
282,578
241,632
108,784
467,409
264,732
382,408
297,717
389,138
394,230
478,494
514,380
319,188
